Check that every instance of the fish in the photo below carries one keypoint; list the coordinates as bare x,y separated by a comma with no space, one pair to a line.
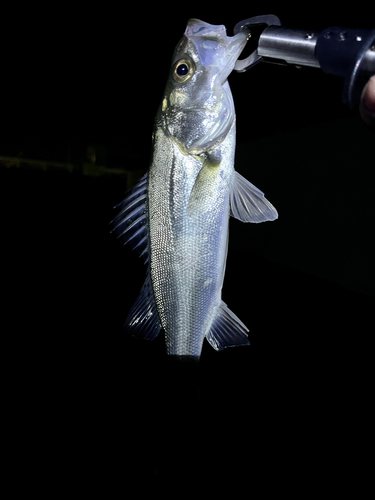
177,215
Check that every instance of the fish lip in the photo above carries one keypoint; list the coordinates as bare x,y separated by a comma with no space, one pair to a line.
235,47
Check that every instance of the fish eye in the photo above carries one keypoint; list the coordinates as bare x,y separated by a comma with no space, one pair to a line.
184,69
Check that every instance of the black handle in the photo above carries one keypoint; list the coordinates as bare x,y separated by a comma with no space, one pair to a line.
349,53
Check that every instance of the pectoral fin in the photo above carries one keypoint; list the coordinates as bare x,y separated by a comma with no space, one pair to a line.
248,204
204,191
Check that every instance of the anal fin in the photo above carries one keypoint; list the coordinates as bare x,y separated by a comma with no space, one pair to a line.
227,330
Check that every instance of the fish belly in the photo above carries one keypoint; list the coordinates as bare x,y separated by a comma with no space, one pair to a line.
187,248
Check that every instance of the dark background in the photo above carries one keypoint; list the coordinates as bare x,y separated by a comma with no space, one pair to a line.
92,405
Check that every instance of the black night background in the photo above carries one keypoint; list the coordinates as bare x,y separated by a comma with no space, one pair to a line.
93,409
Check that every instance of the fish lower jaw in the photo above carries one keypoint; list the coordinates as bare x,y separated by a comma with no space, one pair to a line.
199,147
192,150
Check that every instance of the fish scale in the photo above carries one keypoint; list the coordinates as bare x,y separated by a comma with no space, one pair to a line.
177,294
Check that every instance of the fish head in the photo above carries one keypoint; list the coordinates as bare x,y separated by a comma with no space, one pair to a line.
197,109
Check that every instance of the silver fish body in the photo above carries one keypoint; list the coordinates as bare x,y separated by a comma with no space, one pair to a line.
178,214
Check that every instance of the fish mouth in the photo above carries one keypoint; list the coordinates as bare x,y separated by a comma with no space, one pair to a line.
200,32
